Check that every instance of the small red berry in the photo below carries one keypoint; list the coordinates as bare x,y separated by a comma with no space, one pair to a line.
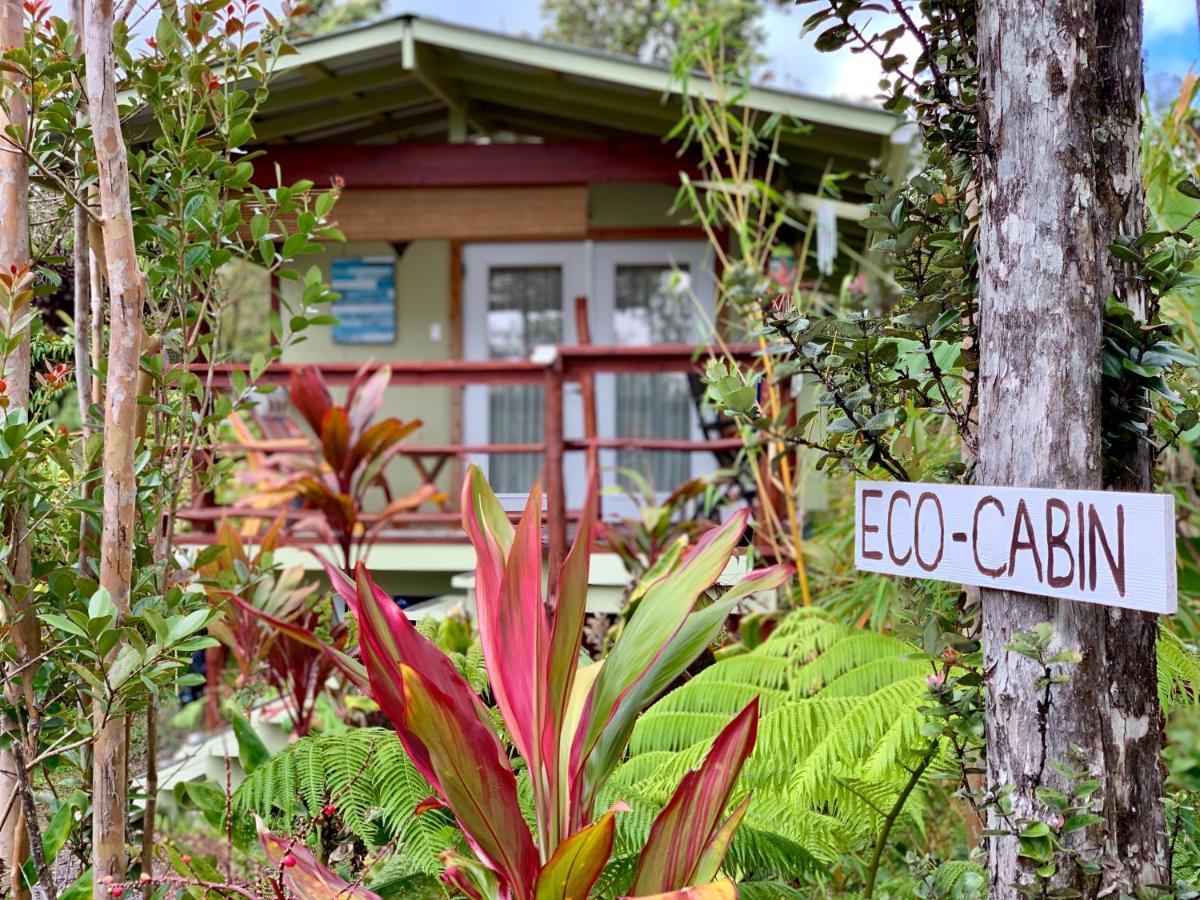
329,810
288,860
185,859
117,890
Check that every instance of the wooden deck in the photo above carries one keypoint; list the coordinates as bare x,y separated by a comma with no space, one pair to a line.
553,369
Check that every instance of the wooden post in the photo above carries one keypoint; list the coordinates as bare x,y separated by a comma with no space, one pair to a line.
556,500
587,395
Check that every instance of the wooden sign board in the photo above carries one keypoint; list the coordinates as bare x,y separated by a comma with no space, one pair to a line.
1117,549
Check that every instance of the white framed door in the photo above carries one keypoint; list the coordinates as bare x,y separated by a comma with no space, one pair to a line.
648,293
517,297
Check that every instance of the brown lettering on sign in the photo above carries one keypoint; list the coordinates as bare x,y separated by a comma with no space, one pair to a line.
898,560
1017,545
1117,566
1079,523
1057,540
986,501
869,529
941,545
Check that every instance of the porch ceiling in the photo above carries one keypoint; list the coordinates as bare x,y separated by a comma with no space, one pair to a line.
410,78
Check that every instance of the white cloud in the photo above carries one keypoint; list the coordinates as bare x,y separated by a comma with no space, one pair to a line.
795,63
1167,17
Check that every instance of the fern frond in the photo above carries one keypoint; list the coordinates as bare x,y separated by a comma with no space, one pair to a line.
769,890
877,674
846,654
877,731
960,879
368,775
1178,671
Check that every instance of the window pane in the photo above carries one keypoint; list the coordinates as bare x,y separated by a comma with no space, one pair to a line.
654,306
524,309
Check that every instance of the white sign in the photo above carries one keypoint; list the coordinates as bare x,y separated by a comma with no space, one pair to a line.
1098,546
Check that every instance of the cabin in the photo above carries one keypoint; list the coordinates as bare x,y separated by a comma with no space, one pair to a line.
513,252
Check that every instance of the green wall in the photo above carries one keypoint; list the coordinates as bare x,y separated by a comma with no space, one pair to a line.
422,333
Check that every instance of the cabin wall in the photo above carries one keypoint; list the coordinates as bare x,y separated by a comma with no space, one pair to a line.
422,333
425,318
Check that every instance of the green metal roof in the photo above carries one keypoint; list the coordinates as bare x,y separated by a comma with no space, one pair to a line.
411,78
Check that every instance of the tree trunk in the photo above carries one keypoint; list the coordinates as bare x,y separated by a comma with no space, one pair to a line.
1059,122
127,294
16,606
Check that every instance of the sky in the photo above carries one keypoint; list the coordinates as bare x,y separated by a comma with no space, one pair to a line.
1172,41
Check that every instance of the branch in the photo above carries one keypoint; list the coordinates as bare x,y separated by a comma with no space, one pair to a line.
893,815
45,879
53,178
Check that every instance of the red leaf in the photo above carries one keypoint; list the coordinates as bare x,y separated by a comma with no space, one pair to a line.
365,397
573,869
307,879
310,395
514,635
475,780
683,831
335,439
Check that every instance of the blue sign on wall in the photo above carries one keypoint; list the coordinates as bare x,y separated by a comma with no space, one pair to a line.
366,309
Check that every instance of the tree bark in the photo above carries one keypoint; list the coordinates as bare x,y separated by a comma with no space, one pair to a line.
127,294
1059,118
16,607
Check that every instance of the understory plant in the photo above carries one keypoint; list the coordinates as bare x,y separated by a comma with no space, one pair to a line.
353,452
569,724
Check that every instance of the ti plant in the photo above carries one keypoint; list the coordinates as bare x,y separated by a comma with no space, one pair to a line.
569,723
297,666
353,455
652,541
227,568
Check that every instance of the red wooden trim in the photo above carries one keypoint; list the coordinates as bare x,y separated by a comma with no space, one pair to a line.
286,446
474,165
656,233
575,362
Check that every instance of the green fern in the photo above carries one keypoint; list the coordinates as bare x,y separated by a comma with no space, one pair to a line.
368,775
959,879
841,720
1178,671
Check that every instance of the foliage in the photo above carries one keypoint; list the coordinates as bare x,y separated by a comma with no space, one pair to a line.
745,212
227,568
376,787
354,452
323,16
188,96
842,715
647,29
297,870
570,728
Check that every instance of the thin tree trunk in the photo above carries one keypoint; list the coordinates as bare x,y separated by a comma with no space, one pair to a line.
1056,186
16,606
83,300
127,293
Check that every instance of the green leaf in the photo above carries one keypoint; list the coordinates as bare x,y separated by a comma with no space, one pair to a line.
252,752
1189,188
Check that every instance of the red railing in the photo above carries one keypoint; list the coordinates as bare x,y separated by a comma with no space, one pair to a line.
579,364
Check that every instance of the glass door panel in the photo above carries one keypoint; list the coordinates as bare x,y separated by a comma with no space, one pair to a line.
525,308
650,294
653,306
515,298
